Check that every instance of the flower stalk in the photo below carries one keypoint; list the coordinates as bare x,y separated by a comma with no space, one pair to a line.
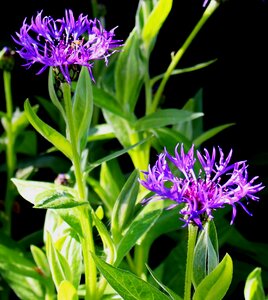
87,241
192,234
10,152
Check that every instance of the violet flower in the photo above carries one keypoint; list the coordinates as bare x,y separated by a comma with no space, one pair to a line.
214,186
65,43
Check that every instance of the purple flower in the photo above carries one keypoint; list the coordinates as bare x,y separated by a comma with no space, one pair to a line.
201,185
65,43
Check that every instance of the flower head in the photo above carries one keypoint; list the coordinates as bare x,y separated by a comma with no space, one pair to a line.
216,184
65,43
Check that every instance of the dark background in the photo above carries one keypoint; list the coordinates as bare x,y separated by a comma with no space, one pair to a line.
234,87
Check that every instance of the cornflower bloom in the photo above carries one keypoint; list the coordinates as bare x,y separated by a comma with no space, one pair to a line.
65,43
213,187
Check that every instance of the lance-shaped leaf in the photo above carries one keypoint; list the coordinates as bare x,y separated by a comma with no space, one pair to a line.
128,285
46,194
49,133
107,101
40,260
53,94
125,205
129,72
15,260
172,294
206,256
59,267
141,224
57,199
118,153
83,104
215,285
156,20
254,288
30,191
164,117
210,133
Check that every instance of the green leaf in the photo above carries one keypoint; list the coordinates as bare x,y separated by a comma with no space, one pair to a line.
60,270
124,206
50,109
141,224
53,94
83,104
19,271
15,260
100,132
108,244
168,221
20,121
57,199
24,287
164,117
98,162
128,285
67,291
156,20
172,294
184,70
71,217
67,242
210,133
215,285
40,259
107,101
111,179
129,73
53,136
254,288
169,138
192,128
206,256
120,127
38,192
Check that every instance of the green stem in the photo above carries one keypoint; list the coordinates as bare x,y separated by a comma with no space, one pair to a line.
192,234
140,259
87,240
10,153
176,58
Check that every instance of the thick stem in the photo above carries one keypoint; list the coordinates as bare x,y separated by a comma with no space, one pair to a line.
176,58
192,234
87,240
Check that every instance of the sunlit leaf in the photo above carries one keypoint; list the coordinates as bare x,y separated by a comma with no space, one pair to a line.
128,285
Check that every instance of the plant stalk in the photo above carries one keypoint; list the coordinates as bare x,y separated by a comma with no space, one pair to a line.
87,240
192,234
